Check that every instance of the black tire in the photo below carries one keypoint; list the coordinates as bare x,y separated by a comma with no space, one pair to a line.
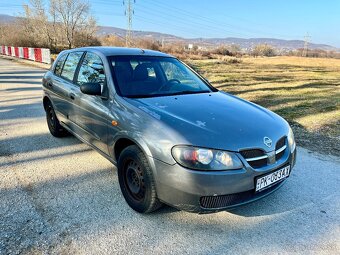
136,180
53,123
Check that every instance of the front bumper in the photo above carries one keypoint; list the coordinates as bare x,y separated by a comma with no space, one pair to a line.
209,191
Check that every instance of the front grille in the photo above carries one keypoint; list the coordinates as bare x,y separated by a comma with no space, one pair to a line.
279,155
258,163
248,154
280,143
211,202
251,155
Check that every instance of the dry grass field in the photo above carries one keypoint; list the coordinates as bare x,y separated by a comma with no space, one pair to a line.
305,91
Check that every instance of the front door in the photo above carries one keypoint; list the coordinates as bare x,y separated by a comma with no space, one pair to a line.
92,111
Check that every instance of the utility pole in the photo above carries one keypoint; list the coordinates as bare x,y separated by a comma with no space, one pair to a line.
128,13
305,47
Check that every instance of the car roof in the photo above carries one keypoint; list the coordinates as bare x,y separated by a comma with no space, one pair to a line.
121,51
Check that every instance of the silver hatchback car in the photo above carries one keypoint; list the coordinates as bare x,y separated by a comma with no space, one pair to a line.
174,138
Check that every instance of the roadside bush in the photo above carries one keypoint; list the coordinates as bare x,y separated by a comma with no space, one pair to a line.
205,54
263,50
112,40
147,44
222,50
227,60
232,60
174,48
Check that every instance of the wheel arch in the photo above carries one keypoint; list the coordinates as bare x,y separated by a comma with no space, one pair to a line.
46,100
120,145
123,141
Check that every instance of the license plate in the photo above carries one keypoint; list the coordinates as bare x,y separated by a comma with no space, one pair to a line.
270,179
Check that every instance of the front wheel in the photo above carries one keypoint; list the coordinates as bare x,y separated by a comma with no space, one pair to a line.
136,180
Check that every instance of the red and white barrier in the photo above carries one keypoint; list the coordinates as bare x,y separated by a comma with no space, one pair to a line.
36,54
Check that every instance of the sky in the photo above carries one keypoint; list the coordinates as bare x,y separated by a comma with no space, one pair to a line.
283,19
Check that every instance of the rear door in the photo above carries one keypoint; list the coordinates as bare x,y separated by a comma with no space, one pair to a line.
63,86
56,89
92,111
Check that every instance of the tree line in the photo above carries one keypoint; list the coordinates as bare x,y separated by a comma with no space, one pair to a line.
53,24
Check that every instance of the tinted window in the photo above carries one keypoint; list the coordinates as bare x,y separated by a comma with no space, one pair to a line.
59,64
70,65
144,76
91,70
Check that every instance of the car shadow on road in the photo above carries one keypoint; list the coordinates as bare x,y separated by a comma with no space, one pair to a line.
20,99
37,143
24,88
20,111
15,73
19,77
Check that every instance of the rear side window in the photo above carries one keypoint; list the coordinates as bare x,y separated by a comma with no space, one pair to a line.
91,70
59,64
70,65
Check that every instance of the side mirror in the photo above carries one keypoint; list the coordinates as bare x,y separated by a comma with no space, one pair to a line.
91,88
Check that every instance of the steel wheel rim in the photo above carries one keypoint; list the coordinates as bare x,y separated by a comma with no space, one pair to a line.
134,180
51,118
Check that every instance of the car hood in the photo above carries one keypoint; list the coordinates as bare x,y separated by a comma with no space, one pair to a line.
215,120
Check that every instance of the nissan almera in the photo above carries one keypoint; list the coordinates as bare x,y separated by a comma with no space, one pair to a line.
174,138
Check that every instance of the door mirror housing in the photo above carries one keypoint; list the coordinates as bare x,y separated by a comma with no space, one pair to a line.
91,88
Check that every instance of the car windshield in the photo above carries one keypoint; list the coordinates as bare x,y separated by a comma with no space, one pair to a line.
149,76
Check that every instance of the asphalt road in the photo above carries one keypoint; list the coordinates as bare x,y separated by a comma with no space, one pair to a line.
58,196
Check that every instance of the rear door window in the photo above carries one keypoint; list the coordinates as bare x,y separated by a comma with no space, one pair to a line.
59,64
70,65
91,70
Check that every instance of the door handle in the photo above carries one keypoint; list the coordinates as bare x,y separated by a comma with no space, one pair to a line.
50,84
72,96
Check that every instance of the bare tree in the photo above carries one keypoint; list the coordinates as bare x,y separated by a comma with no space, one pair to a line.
73,16
58,24
37,25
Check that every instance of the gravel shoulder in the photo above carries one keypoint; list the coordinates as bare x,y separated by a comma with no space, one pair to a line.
58,196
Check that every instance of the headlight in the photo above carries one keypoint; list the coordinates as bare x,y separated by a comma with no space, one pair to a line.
205,159
291,140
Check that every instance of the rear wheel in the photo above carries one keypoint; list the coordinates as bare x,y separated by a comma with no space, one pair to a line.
136,180
53,123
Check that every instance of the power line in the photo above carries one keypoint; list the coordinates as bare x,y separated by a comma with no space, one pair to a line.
192,24
179,28
199,17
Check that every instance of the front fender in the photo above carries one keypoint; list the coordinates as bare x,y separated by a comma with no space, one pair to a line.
132,136
139,141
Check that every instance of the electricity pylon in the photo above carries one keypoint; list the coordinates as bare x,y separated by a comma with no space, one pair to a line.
128,13
305,47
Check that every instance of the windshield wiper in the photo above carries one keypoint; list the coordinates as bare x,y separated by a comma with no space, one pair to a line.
185,92
144,96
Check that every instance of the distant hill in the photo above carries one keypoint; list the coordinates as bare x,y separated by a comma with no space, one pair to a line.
213,42
245,44
104,30
251,42
6,18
